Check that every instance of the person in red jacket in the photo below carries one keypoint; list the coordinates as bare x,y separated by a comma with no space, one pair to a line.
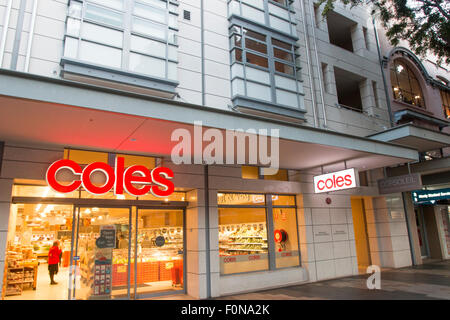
54,258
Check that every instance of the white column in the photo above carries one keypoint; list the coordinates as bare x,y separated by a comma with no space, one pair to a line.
5,204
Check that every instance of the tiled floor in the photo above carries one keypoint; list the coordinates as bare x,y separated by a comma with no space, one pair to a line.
426,282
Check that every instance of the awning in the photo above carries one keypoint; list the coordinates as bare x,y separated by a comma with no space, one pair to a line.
415,137
55,112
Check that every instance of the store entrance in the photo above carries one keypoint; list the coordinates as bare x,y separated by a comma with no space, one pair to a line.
422,233
160,253
100,240
100,260
126,252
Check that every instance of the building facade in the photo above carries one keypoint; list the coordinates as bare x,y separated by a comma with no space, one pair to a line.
94,81
418,90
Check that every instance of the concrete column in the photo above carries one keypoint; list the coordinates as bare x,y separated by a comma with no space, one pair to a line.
358,41
388,235
214,244
367,96
329,80
195,245
5,204
443,228
414,237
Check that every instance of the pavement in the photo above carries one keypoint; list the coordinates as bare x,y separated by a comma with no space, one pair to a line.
425,282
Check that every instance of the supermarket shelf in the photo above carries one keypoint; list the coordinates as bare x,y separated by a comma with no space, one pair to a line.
238,237
258,243
20,282
255,250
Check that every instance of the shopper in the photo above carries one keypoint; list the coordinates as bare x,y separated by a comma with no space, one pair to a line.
123,243
54,258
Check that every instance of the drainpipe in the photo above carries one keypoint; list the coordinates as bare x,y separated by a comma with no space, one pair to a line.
30,36
388,99
5,31
202,36
319,69
308,61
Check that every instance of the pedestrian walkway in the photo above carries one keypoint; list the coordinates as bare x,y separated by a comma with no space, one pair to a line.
425,282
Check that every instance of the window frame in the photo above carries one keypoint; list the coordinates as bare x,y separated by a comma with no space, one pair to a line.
268,206
395,83
238,30
267,13
127,33
445,95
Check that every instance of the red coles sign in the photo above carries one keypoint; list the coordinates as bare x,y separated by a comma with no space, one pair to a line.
156,181
340,180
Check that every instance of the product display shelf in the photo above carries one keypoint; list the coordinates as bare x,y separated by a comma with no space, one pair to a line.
86,271
239,242
14,281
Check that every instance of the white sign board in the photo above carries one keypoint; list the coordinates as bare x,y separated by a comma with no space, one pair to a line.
340,180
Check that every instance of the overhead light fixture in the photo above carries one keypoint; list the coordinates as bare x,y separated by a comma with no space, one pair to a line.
120,196
399,68
87,211
395,89
95,209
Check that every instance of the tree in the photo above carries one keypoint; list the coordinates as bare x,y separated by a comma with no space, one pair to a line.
424,24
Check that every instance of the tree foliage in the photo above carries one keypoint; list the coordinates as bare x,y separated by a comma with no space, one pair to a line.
424,24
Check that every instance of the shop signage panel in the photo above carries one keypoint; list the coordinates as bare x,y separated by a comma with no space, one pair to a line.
340,180
107,237
403,183
136,180
430,196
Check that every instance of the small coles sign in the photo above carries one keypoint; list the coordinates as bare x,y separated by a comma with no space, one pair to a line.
136,180
340,180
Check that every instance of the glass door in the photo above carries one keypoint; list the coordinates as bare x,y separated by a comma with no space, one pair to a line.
422,233
159,257
100,259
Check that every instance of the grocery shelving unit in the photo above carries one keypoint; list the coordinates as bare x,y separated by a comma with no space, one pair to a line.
26,275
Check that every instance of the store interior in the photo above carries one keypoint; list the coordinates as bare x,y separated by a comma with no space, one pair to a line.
34,227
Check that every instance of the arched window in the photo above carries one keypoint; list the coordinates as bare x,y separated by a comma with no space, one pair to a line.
405,86
445,96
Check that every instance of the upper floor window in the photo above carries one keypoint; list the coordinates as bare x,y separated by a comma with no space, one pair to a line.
264,67
445,96
405,86
274,13
136,36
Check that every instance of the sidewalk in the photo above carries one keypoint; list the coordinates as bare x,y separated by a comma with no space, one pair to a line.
425,282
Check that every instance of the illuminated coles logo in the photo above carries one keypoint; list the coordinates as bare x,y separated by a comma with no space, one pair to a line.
339,180
156,181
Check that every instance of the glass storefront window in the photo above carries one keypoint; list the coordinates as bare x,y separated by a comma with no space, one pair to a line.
40,192
242,240
245,238
240,199
286,239
278,200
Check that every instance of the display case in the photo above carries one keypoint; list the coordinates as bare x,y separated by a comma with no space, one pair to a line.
21,270
244,238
